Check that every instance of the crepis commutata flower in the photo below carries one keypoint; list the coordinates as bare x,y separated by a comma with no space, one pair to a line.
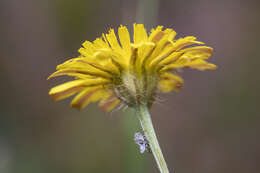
115,70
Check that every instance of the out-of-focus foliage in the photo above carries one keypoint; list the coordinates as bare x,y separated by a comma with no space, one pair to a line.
211,126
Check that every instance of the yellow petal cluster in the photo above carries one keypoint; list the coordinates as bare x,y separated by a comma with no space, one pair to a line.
113,69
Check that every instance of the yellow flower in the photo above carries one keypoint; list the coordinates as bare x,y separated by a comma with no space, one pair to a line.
130,73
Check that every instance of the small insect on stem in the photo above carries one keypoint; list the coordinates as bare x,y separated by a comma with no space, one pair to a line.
143,143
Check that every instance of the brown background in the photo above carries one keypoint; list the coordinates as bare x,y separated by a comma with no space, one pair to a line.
211,126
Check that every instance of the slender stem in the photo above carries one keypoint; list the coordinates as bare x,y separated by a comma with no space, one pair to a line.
130,163
147,125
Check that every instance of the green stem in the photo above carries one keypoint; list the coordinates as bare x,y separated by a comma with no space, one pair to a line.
147,125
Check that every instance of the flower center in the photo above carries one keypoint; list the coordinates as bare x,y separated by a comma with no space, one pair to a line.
134,90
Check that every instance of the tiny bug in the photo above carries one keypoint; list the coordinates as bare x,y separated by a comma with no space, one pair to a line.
143,143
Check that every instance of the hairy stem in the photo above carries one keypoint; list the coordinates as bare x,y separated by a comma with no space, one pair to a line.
147,125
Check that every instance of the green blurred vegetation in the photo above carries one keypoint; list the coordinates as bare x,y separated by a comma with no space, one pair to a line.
210,126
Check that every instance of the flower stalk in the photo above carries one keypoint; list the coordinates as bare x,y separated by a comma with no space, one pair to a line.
147,125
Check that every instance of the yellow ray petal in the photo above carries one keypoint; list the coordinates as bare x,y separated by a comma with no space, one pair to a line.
156,34
183,42
73,73
115,56
145,50
170,67
100,44
200,64
171,59
133,58
112,39
161,44
161,50
67,89
84,67
178,64
179,44
71,63
111,105
108,102
105,67
140,33
124,39
199,48
88,49
171,34
107,96
83,71
170,82
87,96
201,52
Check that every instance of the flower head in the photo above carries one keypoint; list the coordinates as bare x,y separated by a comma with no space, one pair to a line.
113,71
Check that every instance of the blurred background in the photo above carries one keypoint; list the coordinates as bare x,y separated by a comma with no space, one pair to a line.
211,126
